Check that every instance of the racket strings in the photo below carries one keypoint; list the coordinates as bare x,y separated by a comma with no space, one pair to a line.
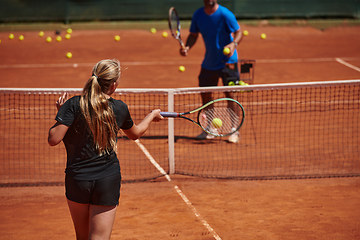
219,120
174,24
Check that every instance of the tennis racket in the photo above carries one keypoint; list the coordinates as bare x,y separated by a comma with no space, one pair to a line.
220,117
174,25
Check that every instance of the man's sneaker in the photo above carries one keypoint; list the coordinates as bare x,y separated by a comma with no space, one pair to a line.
204,135
235,137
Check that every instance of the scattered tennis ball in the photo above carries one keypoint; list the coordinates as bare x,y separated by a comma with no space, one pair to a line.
58,38
153,30
48,39
242,83
263,36
21,37
69,55
117,38
181,68
216,122
0,40
11,36
231,83
67,36
226,51
246,32
41,34
69,31
165,34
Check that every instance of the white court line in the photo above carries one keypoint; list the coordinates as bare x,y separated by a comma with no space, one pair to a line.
347,64
153,63
181,194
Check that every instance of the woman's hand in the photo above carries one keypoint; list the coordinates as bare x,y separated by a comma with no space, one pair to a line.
62,99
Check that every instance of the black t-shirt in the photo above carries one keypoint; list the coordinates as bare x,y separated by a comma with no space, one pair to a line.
83,162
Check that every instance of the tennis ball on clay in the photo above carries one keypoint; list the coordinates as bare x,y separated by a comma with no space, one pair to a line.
67,36
58,38
246,32
164,34
21,37
242,83
11,36
117,38
263,36
48,39
216,122
226,51
69,31
153,30
231,83
69,55
41,34
181,68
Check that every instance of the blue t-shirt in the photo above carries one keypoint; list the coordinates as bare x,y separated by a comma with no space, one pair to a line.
216,31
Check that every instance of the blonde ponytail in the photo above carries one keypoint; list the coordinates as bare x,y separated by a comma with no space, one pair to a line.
95,107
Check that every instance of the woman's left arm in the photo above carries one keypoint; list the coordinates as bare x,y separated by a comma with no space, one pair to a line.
57,133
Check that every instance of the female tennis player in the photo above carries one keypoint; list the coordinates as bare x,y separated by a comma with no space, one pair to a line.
88,126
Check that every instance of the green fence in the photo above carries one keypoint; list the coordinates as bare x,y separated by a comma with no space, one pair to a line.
92,10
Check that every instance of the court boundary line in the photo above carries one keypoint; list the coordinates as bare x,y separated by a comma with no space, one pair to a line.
153,63
339,60
178,190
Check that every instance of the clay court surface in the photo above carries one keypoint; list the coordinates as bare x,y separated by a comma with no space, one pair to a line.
228,209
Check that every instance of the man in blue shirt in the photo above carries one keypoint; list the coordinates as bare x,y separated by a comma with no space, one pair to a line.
219,29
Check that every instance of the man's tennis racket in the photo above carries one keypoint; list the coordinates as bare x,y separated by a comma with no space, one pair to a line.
220,117
174,25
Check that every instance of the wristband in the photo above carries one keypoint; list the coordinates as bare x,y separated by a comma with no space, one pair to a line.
235,43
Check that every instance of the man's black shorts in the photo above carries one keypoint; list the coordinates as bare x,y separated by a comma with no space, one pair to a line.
209,78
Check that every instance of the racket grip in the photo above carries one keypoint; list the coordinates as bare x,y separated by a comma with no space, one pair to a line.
169,114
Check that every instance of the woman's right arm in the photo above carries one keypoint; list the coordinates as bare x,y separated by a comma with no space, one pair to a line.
136,131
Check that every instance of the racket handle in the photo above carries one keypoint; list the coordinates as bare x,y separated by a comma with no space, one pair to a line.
169,114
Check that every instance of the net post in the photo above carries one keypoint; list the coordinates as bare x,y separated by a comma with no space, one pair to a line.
171,137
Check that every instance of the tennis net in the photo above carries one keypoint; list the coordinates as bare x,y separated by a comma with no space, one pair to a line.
301,130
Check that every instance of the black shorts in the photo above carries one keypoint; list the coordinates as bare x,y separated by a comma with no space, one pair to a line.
105,191
209,78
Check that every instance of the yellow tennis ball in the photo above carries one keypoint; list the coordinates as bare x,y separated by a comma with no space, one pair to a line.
58,38
11,36
21,37
181,68
117,38
226,51
67,36
41,33
242,83
216,122
165,34
153,30
245,32
263,36
69,55
69,31
48,39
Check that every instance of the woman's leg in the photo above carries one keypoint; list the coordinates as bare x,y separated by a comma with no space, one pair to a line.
80,216
101,221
